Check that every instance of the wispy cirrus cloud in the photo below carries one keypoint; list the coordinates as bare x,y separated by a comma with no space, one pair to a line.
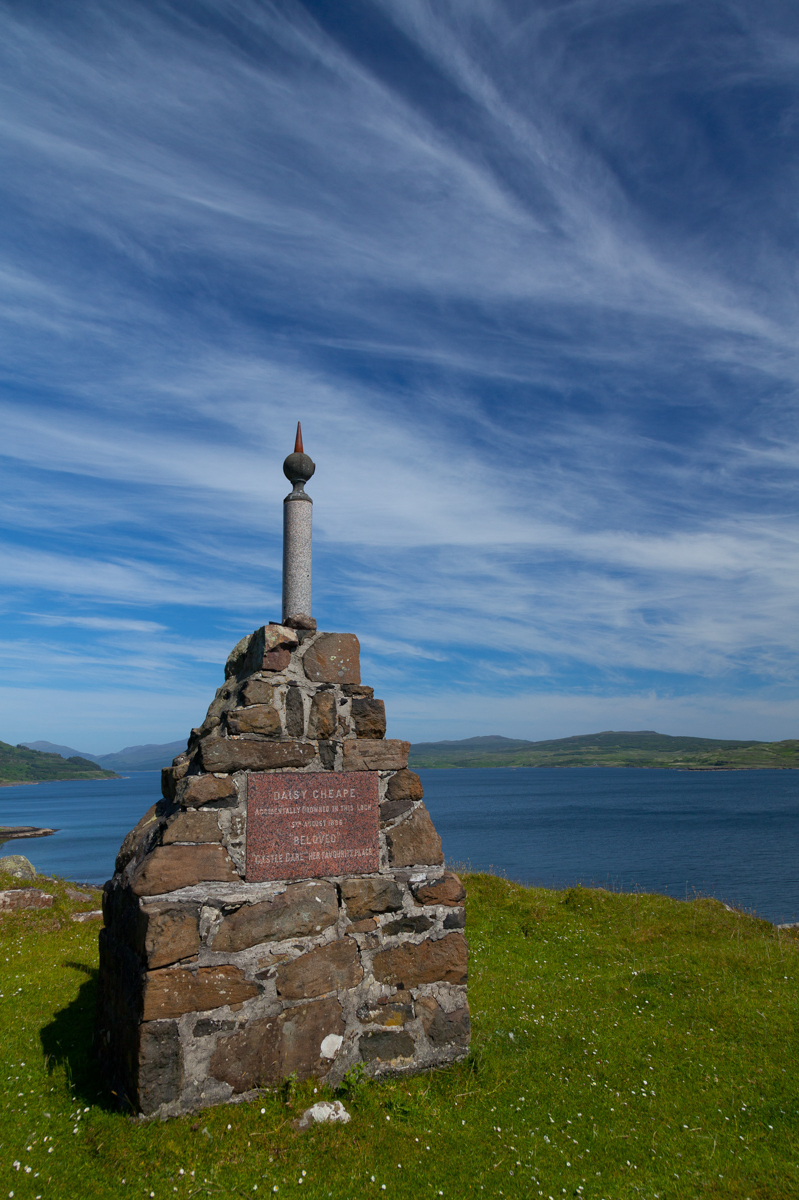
524,276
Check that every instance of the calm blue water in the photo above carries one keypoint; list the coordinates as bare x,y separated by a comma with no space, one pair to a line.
734,835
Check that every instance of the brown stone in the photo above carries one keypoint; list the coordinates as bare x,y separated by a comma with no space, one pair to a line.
322,721
333,658
253,653
261,718
367,925
16,899
168,783
295,713
446,890
168,933
366,896
303,909
369,718
256,691
276,660
442,1028
405,785
173,991
197,790
392,809
415,842
333,967
272,1048
357,689
168,868
386,1047
226,754
136,841
441,961
193,825
301,621
160,1076
362,754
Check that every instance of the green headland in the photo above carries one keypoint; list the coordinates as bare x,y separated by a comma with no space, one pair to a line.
20,765
642,748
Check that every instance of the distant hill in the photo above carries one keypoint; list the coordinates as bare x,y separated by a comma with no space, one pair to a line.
641,748
151,757
19,764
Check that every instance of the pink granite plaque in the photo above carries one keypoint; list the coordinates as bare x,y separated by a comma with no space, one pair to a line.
301,825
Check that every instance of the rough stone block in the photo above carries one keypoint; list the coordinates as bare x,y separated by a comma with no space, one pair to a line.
446,890
261,718
366,896
193,826
442,1028
172,991
303,909
256,691
295,713
390,810
410,925
253,651
15,899
168,933
357,689
137,841
362,754
455,920
225,754
196,790
386,1047
271,1048
168,868
369,718
276,660
405,785
391,1014
333,658
441,961
322,721
335,966
415,842
160,1065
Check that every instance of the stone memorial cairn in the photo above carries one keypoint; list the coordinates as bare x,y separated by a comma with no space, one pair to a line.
284,909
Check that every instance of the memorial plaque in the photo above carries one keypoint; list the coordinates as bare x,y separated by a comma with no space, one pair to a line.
324,823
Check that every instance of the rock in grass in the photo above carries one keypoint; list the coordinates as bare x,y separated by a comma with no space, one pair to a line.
18,866
95,915
18,898
324,1110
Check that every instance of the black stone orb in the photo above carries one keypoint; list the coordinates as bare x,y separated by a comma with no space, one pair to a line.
298,468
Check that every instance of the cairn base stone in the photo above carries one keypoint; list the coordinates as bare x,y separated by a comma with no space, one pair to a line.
219,977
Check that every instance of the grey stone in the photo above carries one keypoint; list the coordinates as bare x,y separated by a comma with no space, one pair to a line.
252,652
301,621
386,1047
17,866
443,1028
391,810
207,1027
295,713
455,920
160,1065
304,908
419,924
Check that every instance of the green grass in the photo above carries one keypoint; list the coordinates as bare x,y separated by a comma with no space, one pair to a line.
623,1046
18,764
643,748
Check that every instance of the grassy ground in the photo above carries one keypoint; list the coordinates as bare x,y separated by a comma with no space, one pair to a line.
623,1046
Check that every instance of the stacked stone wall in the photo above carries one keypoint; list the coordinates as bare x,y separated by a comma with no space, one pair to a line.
211,986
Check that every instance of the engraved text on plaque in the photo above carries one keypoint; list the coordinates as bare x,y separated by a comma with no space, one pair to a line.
301,825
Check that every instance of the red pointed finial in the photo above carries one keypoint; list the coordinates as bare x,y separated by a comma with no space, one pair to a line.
298,440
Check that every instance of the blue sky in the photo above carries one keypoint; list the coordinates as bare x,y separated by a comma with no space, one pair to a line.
527,272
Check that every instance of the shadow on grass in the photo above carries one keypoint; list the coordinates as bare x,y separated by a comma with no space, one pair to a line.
67,1041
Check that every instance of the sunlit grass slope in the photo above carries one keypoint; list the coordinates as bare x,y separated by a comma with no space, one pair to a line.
623,1046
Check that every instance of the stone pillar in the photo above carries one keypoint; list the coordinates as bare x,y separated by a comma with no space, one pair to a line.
297,519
